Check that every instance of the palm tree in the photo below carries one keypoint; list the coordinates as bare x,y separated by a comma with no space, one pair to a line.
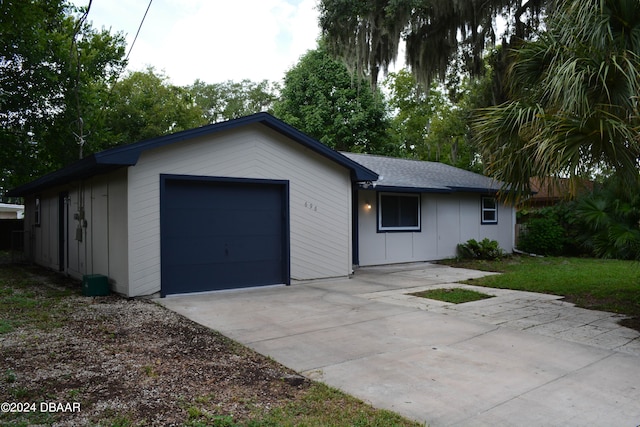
574,99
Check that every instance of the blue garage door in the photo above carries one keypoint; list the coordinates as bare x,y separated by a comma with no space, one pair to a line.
223,234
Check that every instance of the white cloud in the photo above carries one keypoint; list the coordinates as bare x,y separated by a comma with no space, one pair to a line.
213,40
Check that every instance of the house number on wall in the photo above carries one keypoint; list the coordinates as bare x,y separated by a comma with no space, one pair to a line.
311,206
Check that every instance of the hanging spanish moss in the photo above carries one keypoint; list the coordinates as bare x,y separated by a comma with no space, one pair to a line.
367,34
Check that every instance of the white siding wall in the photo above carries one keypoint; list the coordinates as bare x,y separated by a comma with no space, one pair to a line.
446,220
42,240
102,248
320,198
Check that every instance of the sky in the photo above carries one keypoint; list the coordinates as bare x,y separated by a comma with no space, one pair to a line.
212,40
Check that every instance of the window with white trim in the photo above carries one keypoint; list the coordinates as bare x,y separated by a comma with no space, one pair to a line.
398,212
489,210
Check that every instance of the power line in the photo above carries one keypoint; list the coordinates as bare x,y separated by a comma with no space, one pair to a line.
138,32
81,136
74,44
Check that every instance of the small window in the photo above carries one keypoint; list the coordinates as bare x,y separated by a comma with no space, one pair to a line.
36,211
399,212
489,210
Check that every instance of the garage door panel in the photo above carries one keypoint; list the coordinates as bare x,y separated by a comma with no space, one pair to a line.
252,275
237,222
219,249
222,234
235,225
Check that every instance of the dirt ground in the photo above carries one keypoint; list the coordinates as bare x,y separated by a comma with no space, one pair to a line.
130,362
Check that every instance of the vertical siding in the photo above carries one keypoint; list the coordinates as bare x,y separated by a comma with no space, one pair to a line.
446,221
118,251
77,235
320,198
98,223
102,248
43,238
449,220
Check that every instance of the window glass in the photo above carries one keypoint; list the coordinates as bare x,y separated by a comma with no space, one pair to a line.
36,211
489,210
400,212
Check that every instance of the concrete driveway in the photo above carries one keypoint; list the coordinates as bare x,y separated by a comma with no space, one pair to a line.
518,359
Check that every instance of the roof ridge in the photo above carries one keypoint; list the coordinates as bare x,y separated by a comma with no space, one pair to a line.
393,158
403,158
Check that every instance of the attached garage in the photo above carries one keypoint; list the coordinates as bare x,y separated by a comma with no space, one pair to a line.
223,233
248,202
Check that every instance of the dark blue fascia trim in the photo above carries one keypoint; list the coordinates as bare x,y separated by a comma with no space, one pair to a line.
128,155
448,190
355,232
475,190
359,173
84,169
392,189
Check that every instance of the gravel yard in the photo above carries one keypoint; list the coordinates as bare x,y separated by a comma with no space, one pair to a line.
132,362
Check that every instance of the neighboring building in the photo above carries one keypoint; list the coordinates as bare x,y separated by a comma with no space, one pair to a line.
11,211
550,192
250,202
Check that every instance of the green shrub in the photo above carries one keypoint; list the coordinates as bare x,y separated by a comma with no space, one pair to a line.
542,236
485,249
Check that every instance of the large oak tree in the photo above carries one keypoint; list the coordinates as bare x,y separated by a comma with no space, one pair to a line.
367,33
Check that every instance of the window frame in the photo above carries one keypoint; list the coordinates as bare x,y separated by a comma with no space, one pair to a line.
485,210
399,228
37,214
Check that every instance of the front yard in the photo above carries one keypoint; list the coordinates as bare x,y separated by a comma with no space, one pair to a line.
74,360
66,359
597,284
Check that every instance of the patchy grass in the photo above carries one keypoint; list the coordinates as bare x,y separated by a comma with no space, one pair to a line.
24,300
326,406
132,362
597,284
453,295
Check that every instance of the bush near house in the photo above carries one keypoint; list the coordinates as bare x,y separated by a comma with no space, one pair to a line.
603,223
486,249
542,236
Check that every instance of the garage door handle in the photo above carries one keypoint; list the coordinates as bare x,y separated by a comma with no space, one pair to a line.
226,250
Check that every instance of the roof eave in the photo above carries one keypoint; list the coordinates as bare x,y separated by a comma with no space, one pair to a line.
408,189
486,190
128,155
448,190
359,172
89,166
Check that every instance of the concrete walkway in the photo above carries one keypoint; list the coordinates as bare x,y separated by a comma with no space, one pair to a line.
518,359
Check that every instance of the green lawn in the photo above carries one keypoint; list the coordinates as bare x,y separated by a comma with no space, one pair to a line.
598,284
452,295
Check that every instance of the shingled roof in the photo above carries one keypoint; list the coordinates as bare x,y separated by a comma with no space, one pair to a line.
415,175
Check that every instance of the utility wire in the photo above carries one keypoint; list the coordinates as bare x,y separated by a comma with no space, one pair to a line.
74,44
138,32
117,77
